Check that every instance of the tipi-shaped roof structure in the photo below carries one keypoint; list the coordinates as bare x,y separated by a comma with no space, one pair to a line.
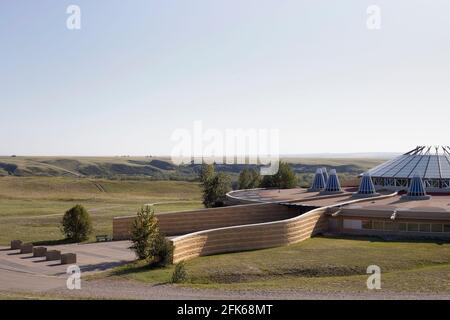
366,187
333,185
325,174
318,183
416,190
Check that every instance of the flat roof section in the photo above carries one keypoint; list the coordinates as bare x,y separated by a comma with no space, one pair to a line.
270,195
325,201
280,195
294,196
438,203
437,208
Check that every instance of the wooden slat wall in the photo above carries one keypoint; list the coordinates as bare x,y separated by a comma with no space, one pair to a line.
178,223
250,237
237,228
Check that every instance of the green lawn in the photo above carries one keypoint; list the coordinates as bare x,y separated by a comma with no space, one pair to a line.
31,208
318,264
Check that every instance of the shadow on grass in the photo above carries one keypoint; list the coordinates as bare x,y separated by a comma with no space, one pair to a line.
136,268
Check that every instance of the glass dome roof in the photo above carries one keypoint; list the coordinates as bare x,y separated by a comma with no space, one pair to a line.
426,162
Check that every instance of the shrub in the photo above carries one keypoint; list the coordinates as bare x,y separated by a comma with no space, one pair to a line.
148,242
162,251
207,173
144,232
249,179
179,274
76,224
285,178
215,190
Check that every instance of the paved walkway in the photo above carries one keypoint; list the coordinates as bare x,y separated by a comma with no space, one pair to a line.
24,272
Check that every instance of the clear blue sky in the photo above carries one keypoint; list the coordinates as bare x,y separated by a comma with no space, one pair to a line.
139,69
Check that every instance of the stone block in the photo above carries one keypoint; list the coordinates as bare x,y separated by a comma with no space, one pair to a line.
16,245
39,251
26,248
68,258
52,255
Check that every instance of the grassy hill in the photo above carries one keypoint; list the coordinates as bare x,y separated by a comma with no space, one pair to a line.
160,168
36,191
31,208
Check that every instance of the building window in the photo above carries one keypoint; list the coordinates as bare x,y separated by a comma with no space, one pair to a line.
333,224
367,224
389,226
424,227
352,224
413,227
446,227
377,225
436,228
402,227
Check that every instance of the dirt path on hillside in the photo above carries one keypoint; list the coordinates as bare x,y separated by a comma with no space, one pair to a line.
51,166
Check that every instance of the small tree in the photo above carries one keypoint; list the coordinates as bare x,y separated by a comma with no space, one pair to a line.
215,190
285,178
256,178
76,224
148,242
179,274
162,251
207,173
249,179
144,232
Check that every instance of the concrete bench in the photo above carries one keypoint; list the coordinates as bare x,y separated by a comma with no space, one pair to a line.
39,251
68,258
16,245
53,255
26,248
103,237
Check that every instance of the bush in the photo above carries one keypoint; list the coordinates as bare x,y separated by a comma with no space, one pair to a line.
144,232
215,186
162,251
179,274
249,179
76,224
285,178
148,242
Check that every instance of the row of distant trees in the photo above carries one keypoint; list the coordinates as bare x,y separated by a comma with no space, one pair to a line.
216,185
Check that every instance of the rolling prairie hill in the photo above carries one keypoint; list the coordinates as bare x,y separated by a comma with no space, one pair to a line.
159,168
31,208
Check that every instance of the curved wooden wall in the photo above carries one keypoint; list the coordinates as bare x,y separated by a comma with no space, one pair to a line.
260,235
237,228
177,223
250,237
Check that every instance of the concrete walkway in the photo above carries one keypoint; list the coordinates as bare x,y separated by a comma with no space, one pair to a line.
24,272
